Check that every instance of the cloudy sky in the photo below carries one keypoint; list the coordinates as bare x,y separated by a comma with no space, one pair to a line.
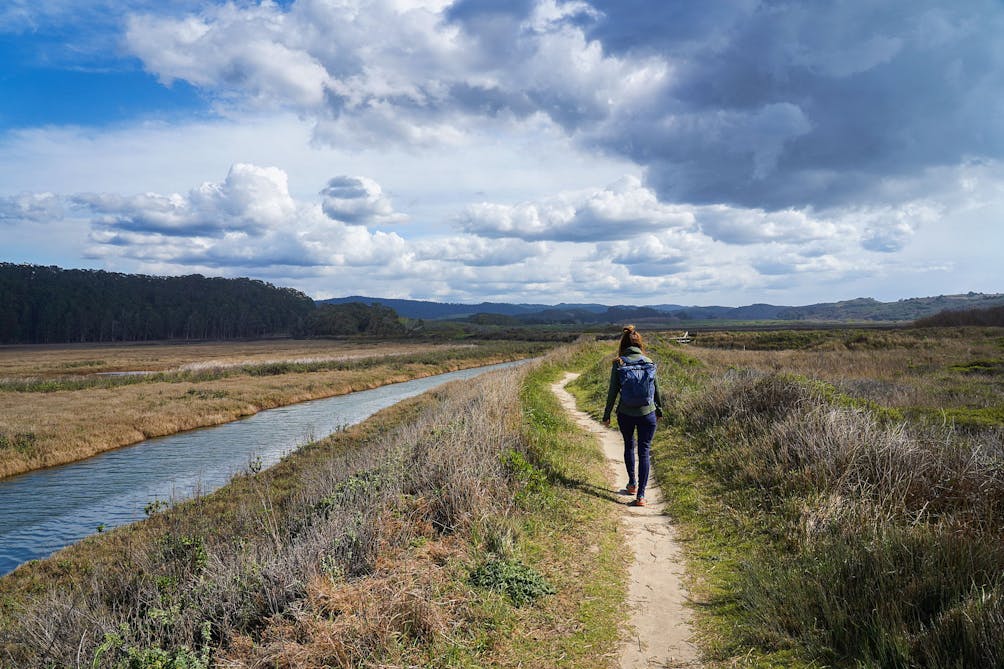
616,151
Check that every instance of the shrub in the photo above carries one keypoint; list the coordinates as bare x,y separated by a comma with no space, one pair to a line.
879,540
512,578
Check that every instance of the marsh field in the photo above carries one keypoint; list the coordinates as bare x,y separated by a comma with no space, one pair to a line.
839,495
63,403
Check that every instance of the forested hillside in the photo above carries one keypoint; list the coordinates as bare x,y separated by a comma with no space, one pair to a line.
41,305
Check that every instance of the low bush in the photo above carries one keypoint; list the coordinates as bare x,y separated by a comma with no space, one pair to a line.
877,542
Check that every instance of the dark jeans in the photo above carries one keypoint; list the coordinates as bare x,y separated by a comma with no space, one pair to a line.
645,426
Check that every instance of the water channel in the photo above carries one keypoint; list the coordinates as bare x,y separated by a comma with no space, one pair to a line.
45,510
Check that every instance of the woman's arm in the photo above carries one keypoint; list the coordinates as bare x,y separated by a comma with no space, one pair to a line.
658,399
612,389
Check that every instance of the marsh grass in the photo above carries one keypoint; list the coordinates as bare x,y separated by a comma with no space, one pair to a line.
70,425
830,520
940,374
357,550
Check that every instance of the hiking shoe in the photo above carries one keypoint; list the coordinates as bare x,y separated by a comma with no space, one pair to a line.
632,489
640,501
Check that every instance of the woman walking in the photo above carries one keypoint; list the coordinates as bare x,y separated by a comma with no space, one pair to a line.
632,376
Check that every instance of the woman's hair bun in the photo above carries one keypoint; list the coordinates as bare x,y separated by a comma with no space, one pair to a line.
628,328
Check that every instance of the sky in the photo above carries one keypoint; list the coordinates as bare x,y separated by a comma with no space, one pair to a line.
542,151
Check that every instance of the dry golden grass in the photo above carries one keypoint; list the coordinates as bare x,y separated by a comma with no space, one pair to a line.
402,604
70,425
60,360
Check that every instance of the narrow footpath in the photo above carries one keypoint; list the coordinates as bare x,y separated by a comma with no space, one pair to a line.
660,629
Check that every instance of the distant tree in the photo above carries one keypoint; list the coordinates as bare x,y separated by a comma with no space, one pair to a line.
353,318
492,319
41,305
991,317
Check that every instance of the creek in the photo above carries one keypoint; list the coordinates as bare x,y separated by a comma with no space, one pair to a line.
45,510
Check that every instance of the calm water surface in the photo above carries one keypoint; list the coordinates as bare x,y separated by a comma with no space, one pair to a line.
43,511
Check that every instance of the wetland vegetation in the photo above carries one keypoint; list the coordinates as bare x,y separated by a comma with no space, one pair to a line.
56,406
838,492
439,533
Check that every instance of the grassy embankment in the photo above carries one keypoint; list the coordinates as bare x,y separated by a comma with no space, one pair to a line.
468,527
833,513
54,408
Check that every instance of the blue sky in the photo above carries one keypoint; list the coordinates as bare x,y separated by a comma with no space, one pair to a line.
616,151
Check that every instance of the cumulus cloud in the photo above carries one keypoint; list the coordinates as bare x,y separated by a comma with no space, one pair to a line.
248,220
623,209
754,226
763,105
656,255
479,252
34,207
358,200
889,230
346,63
250,223
250,200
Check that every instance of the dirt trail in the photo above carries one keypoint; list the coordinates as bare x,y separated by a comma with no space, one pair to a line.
660,622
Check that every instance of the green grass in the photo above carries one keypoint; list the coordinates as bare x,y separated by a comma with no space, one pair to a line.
820,529
571,529
988,367
23,443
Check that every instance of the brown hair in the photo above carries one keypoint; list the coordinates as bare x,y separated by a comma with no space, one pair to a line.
630,337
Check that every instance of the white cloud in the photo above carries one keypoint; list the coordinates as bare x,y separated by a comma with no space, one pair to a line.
394,71
889,230
653,255
251,200
37,207
474,251
359,201
754,226
249,223
253,47
623,209
248,220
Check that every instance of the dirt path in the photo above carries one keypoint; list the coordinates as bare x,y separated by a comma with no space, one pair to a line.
660,621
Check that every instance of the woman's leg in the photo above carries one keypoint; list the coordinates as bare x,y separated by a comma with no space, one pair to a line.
646,430
627,427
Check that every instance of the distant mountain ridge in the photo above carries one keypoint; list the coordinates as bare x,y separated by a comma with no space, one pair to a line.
858,309
438,310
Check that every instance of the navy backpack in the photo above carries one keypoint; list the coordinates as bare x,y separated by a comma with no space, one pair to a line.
637,380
